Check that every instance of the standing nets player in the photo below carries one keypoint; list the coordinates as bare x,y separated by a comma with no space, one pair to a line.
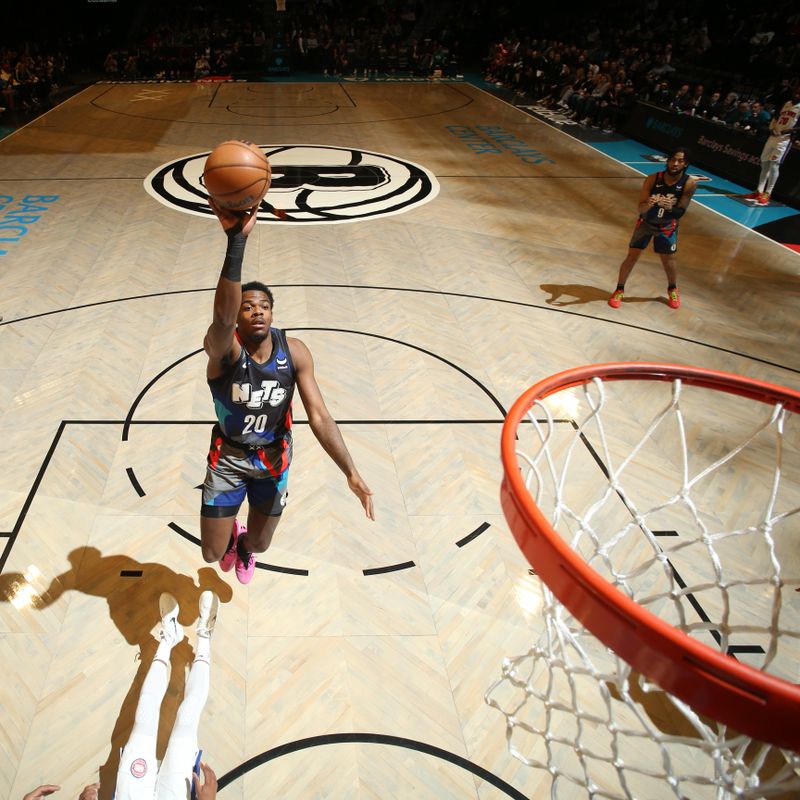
664,199
252,372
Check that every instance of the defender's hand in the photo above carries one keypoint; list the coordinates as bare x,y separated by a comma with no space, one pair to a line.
41,791
208,791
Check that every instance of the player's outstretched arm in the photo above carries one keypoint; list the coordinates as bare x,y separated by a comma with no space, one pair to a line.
324,426
220,339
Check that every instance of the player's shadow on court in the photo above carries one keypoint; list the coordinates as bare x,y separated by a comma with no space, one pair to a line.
585,294
132,590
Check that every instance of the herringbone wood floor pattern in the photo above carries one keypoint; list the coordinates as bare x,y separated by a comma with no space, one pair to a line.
425,326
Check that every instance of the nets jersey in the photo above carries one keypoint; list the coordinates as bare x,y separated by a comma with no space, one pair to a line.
253,402
656,216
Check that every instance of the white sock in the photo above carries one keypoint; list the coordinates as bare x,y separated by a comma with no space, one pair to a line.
164,651
203,649
772,176
153,690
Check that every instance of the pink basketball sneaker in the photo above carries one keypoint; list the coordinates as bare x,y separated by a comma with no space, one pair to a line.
245,568
229,558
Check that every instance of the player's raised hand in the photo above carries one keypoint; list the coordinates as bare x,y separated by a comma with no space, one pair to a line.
235,221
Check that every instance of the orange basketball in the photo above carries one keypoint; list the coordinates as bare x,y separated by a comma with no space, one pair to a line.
237,175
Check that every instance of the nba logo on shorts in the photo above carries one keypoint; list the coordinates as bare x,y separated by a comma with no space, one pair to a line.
139,768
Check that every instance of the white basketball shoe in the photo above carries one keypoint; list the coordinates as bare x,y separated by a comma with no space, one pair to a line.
171,631
209,606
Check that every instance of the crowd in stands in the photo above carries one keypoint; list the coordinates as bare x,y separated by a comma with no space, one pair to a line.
197,39
732,68
28,81
332,37
727,63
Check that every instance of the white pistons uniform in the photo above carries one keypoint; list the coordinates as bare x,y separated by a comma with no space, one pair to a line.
780,133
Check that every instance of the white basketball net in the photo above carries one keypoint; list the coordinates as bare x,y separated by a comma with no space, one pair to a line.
707,538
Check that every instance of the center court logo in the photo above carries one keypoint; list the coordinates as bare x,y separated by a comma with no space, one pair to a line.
310,184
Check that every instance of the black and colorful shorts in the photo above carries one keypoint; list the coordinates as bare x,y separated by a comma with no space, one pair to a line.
233,473
665,240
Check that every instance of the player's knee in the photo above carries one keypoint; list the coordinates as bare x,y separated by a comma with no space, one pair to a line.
211,554
212,549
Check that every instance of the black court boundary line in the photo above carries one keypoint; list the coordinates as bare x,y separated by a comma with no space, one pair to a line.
213,98
244,115
390,568
134,482
474,535
253,86
370,738
12,536
341,85
502,301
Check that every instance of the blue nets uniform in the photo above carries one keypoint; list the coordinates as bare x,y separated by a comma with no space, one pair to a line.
659,223
251,443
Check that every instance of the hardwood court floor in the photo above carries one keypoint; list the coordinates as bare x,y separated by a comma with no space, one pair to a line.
368,646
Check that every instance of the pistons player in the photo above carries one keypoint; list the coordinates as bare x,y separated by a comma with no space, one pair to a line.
252,371
664,199
782,131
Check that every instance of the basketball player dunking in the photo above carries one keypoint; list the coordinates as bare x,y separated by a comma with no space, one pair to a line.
662,202
252,371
